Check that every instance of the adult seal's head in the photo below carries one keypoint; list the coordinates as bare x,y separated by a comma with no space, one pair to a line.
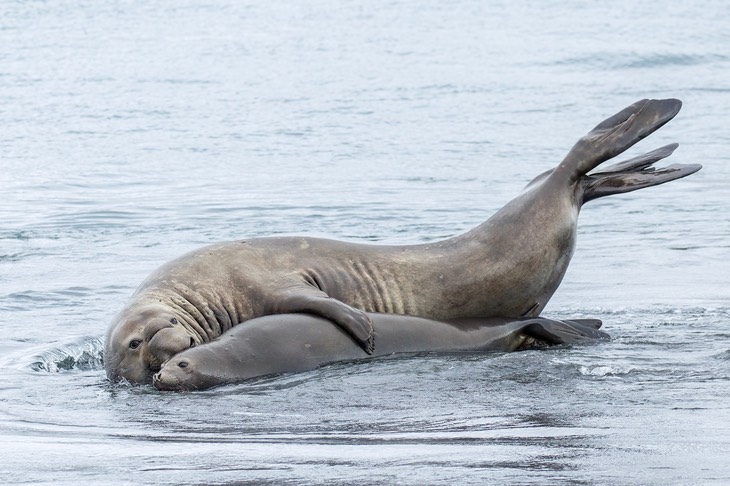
149,334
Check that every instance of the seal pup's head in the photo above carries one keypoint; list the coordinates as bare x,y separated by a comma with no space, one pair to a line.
187,372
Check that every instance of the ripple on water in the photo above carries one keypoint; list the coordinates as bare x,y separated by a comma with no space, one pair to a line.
638,60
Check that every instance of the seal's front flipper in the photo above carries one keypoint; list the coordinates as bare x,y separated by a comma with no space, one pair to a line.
311,301
565,332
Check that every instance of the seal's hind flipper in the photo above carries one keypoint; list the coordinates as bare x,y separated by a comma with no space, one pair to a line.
616,134
600,184
640,162
565,332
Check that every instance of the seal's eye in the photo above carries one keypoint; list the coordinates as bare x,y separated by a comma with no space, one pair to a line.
134,343
173,321
182,364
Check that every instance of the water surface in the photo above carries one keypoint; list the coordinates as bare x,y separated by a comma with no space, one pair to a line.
133,133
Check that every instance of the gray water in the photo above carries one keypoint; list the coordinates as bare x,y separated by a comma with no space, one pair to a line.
131,133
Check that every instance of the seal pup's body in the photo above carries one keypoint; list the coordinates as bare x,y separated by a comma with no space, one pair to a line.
290,343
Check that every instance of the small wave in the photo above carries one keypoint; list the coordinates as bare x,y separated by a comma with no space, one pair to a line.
15,235
637,60
34,299
11,257
668,59
84,354
603,370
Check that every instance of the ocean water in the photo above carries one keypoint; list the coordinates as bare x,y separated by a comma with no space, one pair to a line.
133,132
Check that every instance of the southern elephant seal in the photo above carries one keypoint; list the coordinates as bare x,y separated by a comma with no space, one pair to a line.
509,266
289,343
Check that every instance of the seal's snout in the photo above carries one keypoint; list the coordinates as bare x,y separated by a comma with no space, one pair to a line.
162,381
169,379
168,341
154,326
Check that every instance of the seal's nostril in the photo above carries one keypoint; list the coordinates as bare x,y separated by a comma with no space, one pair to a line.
192,342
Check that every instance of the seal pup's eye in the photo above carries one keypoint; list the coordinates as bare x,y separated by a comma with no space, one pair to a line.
173,321
182,364
134,343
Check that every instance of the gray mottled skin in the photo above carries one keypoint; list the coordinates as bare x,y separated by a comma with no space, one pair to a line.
509,266
288,343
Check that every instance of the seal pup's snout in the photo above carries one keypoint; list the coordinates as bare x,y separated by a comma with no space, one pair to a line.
171,376
164,381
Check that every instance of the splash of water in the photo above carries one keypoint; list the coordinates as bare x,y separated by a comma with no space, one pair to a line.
86,353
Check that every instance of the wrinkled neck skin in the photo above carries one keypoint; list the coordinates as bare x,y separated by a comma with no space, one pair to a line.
153,327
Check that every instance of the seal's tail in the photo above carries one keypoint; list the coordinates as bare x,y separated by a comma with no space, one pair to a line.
612,137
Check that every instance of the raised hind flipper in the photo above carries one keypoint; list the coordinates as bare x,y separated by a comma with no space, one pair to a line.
613,136
634,164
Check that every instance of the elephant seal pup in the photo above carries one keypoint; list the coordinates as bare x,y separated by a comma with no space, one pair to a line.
290,343
509,266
